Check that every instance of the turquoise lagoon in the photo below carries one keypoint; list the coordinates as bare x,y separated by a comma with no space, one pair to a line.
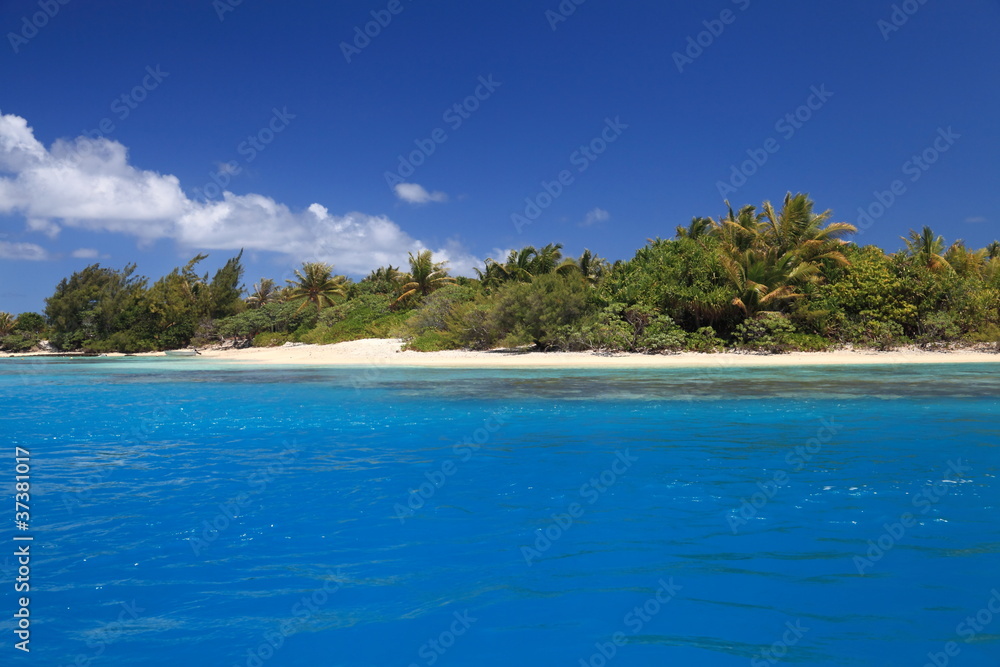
192,514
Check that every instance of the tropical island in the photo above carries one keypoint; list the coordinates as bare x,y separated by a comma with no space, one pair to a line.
764,279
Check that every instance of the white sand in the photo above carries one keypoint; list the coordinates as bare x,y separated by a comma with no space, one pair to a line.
387,352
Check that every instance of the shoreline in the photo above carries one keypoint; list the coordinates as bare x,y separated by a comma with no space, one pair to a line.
387,353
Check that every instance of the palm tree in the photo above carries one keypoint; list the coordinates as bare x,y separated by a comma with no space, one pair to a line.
385,279
797,229
765,281
738,232
520,266
425,276
699,227
926,248
546,259
316,284
264,293
993,250
7,323
492,275
589,266
966,262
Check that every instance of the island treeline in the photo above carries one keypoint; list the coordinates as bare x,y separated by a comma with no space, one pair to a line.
756,279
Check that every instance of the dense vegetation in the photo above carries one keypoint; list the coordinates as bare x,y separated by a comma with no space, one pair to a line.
754,279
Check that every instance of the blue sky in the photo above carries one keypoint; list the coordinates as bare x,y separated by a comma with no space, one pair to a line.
261,96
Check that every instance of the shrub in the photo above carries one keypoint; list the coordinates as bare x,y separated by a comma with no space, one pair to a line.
875,333
275,317
938,327
206,333
989,333
30,323
768,332
366,316
430,341
436,309
18,342
635,329
121,341
270,339
553,312
704,340
807,342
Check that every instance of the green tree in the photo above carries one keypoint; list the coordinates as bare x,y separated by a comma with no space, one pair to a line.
551,312
588,266
225,293
698,228
763,282
31,323
425,276
264,292
797,229
317,285
176,303
684,280
926,249
384,280
94,304
522,265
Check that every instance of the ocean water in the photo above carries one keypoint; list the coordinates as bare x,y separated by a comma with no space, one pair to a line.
193,514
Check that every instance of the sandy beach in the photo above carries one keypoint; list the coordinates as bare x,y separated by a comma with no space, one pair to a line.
387,352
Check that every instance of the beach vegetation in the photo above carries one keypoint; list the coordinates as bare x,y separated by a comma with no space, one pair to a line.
761,279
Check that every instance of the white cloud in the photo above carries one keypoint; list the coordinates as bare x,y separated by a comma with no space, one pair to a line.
595,216
90,185
417,194
85,253
976,219
26,251
46,227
